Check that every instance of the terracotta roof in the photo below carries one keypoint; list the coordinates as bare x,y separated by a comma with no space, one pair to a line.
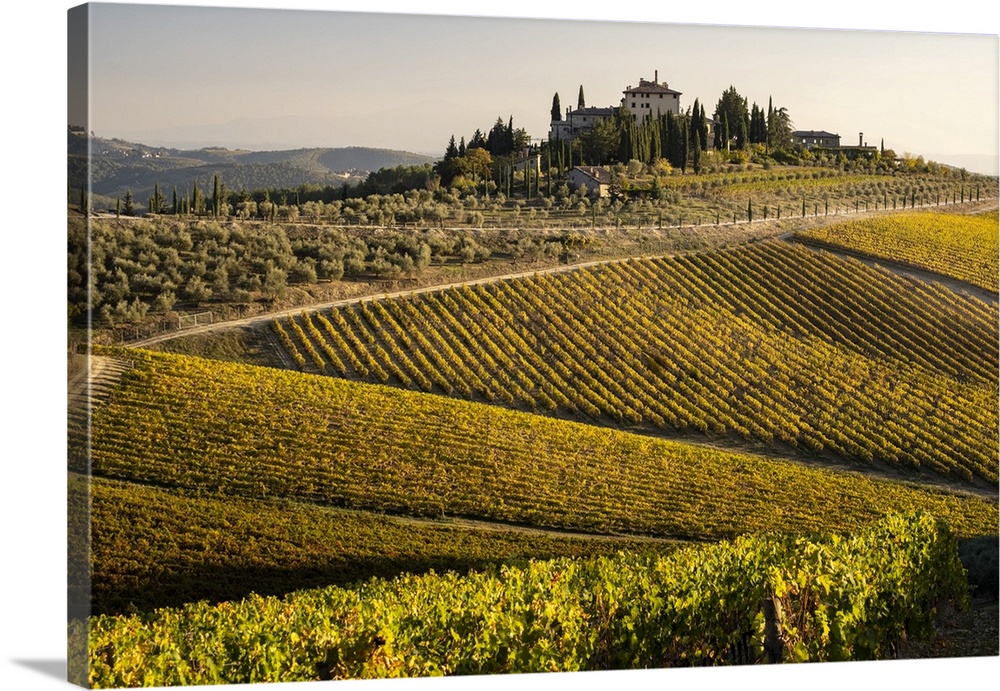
650,88
601,175
814,134
593,111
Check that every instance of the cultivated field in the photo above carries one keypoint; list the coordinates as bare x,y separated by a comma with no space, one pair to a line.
961,246
535,473
769,343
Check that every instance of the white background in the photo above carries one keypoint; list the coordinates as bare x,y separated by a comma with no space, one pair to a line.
32,225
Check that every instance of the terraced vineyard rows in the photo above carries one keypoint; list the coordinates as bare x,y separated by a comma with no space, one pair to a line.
771,342
231,430
152,547
965,247
836,598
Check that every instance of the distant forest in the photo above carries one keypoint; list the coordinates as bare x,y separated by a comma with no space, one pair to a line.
117,167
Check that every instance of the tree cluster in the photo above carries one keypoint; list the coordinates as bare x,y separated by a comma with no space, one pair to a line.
740,128
473,162
152,266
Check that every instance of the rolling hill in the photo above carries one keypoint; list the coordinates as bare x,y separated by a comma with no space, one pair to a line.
118,165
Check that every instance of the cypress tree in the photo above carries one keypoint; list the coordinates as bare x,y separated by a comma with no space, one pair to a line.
548,172
635,146
758,126
703,130
655,143
683,145
224,198
643,136
768,123
624,142
216,200
750,210
695,133
556,108
579,99
461,147
452,150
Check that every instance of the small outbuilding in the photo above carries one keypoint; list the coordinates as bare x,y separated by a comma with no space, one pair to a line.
595,179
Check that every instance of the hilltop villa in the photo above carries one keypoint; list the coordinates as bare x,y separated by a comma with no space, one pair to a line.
649,98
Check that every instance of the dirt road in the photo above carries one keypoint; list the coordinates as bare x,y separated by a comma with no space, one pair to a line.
249,321
959,286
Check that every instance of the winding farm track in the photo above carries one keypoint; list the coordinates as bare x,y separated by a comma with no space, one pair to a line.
900,269
256,319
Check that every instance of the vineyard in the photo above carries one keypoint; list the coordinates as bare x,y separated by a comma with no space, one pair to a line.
769,343
830,597
236,431
153,547
963,247
754,452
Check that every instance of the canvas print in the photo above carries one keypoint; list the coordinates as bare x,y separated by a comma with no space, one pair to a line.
412,345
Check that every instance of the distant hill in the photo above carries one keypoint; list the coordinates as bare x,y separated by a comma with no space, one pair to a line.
119,165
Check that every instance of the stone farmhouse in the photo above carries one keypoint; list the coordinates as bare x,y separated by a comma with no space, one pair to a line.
826,141
577,122
595,180
816,139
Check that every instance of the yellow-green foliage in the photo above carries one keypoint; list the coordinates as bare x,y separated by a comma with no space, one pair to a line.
238,430
961,246
773,343
152,547
840,598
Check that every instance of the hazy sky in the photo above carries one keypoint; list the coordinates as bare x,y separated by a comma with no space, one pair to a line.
262,78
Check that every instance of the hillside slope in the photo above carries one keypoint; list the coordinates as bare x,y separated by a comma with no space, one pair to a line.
242,431
118,166
770,343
